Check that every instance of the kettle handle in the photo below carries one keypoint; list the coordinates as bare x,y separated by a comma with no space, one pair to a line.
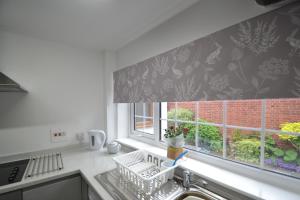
103,137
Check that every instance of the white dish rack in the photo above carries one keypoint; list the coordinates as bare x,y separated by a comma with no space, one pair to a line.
143,169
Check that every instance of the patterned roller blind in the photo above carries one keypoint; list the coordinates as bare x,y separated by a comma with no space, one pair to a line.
255,59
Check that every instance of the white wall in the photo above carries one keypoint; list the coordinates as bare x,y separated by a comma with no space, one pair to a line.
201,19
65,91
110,65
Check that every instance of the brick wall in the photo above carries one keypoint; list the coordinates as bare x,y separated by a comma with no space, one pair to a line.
247,112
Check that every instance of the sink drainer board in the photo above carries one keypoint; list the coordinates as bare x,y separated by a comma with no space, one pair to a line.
44,164
143,169
120,189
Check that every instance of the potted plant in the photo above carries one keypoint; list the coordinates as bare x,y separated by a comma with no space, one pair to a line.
174,137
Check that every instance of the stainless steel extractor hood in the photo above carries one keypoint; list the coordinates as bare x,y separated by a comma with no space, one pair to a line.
8,85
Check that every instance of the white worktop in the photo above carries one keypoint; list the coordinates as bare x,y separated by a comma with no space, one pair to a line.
91,163
76,159
242,184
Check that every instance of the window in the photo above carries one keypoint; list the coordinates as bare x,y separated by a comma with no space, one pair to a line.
260,133
143,118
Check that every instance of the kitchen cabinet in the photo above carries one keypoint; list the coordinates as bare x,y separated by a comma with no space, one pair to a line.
72,187
15,195
67,188
92,195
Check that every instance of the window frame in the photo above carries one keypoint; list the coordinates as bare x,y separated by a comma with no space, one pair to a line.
221,161
143,136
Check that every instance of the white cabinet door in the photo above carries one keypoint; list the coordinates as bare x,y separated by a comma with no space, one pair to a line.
69,188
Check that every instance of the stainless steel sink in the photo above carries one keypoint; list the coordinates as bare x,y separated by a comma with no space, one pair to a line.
198,193
121,189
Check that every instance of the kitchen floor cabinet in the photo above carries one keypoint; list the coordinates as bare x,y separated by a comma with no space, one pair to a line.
67,188
72,187
15,195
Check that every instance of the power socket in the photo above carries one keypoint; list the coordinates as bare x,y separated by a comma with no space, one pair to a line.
58,135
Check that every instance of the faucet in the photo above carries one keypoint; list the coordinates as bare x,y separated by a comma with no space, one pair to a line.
186,179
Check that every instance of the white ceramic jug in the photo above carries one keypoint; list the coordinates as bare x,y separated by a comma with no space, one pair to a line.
113,147
97,139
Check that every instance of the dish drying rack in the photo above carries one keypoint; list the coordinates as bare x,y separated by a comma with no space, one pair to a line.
143,169
44,164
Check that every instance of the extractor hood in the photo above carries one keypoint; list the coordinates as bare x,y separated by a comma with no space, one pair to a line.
8,85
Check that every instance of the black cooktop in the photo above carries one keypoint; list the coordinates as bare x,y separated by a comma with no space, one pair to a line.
12,172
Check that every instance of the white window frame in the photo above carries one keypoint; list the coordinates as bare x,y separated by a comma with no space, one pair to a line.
224,162
142,136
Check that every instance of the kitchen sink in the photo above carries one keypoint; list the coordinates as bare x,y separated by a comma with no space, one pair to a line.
197,193
121,189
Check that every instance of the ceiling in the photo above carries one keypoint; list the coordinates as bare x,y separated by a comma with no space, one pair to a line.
92,24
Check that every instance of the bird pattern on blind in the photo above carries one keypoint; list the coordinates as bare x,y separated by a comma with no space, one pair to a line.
255,59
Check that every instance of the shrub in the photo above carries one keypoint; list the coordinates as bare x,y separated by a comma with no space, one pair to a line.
205,132
290,155
248,150
181,113
290,127
292,139
236,135
209,134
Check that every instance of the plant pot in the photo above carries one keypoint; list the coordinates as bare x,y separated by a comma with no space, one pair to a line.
175,146
176,142
174,152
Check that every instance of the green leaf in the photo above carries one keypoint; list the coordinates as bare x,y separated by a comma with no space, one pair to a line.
290,155
270,141
278,152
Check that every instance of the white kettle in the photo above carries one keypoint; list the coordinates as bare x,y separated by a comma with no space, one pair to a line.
97,139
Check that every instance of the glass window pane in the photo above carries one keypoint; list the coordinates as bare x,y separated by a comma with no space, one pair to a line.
144,125
189,135
163,126
144,109
138,123
144,117
139,109
210,139
148,109
171,111
149,126
246,113
185,111
211,111
282,153
243,146
282,113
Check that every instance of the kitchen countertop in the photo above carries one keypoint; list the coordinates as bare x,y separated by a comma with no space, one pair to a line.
77,160
242,184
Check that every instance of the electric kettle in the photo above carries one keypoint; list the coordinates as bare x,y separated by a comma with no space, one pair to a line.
96,139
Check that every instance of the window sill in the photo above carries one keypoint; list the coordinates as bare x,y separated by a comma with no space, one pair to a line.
240,183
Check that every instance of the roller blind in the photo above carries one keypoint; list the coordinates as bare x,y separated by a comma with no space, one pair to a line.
255,59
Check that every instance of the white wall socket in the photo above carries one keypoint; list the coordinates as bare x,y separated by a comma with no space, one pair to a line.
58,135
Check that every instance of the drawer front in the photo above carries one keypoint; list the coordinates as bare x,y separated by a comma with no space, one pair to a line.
16,195
64,189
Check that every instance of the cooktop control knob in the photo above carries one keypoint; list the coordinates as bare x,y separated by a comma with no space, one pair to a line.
16,169
11,178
